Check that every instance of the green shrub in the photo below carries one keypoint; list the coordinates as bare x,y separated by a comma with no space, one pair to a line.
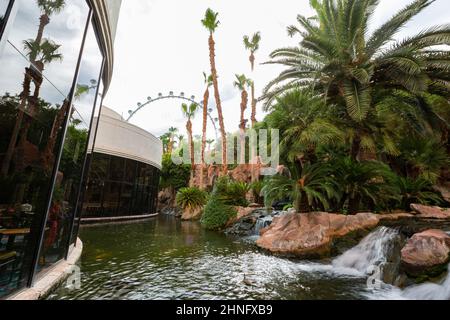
173,175
231,193
416,191
191,198
217,214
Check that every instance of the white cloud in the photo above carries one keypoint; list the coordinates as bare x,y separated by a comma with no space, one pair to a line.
161,46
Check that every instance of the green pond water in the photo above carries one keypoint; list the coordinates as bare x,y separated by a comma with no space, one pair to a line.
165,258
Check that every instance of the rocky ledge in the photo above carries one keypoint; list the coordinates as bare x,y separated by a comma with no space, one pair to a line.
426,254
312,235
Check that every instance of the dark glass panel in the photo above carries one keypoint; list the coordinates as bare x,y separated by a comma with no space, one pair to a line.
68,187
38,64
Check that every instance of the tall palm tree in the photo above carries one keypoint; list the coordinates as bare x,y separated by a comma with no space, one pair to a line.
208,83
211,23
180,138
189,112
253,45
172,132
210,143
47,8
348,65
242,83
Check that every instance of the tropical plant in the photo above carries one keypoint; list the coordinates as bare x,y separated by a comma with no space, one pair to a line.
242,83
339,58
189,112
365,185
47,8
423,158
172,133
311,188
191,198
208,83
211,23
230,192
173,175
256,187
416,191
217,214
304,123
252,45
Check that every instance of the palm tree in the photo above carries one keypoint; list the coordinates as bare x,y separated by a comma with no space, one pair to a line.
208,83
47,8
211,23
180,138
189,112
312,188
253,45
242,83
172,132
165,139
210,143
339,58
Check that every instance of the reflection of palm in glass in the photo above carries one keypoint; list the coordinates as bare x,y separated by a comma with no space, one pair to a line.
40,52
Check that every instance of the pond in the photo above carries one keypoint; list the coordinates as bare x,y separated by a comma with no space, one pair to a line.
165,258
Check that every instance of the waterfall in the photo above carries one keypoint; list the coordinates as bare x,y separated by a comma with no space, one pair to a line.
429,291
373,250
262,223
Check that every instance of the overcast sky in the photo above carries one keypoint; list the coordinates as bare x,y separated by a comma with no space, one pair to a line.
161,46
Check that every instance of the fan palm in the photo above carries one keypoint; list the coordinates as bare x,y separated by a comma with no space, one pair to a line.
338,57
242,83
312,188
172,132
252,45
211,23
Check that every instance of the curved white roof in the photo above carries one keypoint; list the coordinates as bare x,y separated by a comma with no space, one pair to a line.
119,138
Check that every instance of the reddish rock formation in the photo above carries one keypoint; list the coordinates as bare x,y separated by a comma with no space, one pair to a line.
431,212
241,213
426,253
192,214
166,199
312,234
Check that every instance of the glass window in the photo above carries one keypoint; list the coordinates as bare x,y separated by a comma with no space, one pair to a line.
68,187
3,7
38,65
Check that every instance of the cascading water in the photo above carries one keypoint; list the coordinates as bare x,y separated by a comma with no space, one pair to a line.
429,291
262,223
373,250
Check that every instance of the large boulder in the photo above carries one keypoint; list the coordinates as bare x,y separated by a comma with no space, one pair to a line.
312,235
430,212
426,254
192,214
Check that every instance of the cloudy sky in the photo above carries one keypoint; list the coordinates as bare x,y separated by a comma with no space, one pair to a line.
161,46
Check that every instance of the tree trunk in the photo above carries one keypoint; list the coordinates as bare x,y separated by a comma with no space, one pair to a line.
191,151
242,125
212,57
356,147
252,61
353,204
205,123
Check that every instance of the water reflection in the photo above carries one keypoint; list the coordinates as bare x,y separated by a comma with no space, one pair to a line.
169,259
38,63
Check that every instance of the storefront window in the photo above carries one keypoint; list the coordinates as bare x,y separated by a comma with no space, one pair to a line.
68,185
38,66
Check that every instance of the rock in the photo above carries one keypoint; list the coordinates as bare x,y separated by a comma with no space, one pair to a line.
311,235
172,211
426,254
166,199
192,214
394,216
241,213
430,212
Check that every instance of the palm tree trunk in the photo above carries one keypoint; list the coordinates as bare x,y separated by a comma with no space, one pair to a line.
44,20
205,123
191,151
242,125
212,58
356,147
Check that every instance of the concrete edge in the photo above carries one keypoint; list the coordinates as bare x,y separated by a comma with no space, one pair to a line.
52,278
117,219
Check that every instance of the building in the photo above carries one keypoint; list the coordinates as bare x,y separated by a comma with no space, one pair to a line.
56,62
125,166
